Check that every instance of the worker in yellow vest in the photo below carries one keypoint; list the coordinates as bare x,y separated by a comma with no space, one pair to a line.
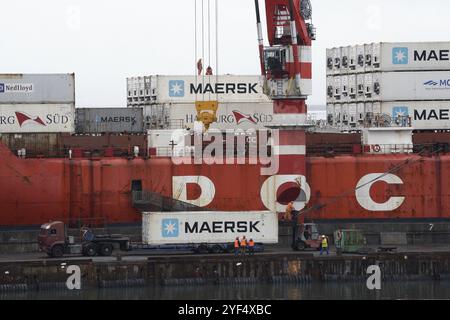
324,245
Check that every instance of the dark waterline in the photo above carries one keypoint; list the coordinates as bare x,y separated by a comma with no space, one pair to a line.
316,291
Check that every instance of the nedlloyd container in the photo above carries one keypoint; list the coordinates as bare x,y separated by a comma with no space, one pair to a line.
37,118
222,88
37,89
425,115
407,86
109,120
159,228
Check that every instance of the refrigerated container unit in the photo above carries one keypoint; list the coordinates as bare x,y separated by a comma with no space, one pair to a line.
139,91
109,120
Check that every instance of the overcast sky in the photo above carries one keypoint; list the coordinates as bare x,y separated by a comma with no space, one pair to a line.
105,41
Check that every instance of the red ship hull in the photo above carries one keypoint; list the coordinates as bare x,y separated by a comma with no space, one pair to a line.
33,191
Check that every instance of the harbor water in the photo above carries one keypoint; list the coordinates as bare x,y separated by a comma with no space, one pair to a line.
313,291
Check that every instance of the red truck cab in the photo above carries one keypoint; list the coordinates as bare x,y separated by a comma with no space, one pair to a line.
52,238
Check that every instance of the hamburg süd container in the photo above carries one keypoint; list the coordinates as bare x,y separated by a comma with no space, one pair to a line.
160,228
109,120
37,88
37,118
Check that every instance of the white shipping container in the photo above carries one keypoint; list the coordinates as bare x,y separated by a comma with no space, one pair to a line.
223,88
415,56
394,86
229,115
37,118
337,88
360,89
352,86
352,58
337,62
329,61
37,88
425,115
159,228
344,88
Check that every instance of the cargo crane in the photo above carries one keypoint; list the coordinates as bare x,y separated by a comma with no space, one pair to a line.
287,71
286,68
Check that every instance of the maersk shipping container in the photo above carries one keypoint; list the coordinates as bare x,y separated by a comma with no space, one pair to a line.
409,86
37,88
389,56
229,115
109,120
37,118
159,228
188,89
425,115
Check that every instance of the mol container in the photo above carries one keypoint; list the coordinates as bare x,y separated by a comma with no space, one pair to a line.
160,228
37,88
407,86
37,118
109,120
188,89
425,115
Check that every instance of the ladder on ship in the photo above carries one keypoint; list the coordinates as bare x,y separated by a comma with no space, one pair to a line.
147,201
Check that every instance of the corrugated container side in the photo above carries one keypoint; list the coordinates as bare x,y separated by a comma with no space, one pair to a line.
392,86
424,115
415,56
208,227
224,88
37,88
37,118
109,120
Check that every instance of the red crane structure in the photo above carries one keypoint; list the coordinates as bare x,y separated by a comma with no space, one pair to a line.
286,67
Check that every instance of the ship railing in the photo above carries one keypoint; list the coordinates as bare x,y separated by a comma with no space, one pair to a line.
389,149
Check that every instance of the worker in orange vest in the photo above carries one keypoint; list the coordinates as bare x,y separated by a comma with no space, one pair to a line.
236,247
288,213
251,247
243,245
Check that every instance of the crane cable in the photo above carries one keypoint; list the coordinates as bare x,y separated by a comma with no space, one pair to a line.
396,168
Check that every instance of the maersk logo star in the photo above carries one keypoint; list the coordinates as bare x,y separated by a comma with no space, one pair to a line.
400,56
176,88
400,112
170,228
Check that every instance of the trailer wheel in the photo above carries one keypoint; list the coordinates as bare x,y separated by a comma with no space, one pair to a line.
216,249
90,250
300,246
57,251
106,250
202,249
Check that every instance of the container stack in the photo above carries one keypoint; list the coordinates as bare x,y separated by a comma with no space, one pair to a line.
35,109
400,83
168,102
